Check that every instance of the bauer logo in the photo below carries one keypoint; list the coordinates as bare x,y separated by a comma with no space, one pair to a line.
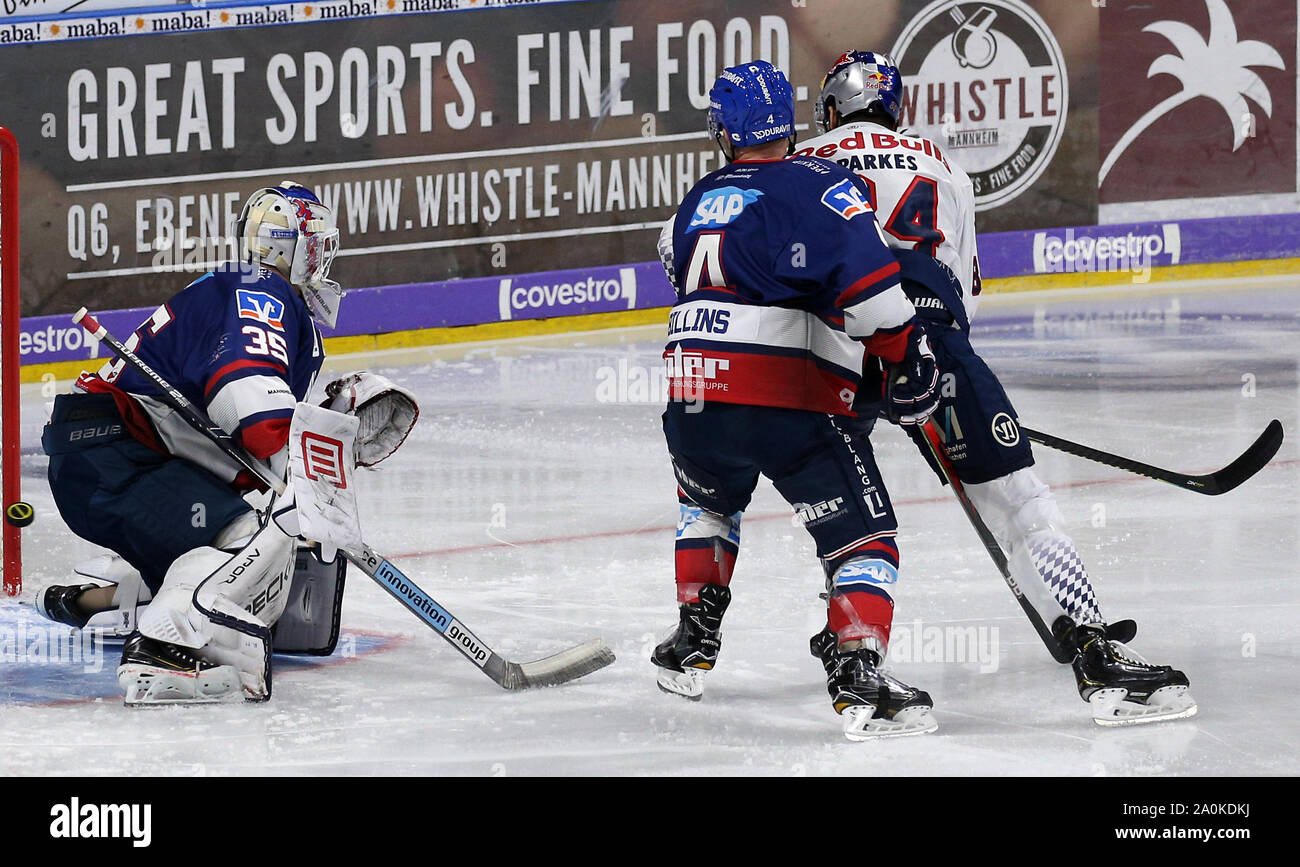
260,307
846,200
721,206
987,81
562,292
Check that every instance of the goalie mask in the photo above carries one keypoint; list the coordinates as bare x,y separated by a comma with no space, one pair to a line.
290,229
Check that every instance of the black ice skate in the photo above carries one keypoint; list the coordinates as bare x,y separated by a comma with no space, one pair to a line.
873,704
693,647
59,603
157,672
1120,686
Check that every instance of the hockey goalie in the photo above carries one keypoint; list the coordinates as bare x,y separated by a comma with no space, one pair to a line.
202,585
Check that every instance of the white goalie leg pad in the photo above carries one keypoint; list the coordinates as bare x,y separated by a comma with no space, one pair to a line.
221,606
1022,513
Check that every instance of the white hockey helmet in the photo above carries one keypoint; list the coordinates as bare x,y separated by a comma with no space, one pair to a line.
290,229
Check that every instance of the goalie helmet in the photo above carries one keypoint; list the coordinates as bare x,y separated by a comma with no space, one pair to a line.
856,82
290,229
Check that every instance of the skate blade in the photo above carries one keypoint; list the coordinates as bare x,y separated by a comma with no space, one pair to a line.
1111,707
860,726
151,686
688,684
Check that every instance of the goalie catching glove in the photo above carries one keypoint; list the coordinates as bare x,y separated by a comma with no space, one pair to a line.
386,413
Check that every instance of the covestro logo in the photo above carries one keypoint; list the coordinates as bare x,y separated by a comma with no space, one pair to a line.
527,300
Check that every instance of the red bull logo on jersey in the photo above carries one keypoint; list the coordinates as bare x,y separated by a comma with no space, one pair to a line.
846,200
721,206
260,307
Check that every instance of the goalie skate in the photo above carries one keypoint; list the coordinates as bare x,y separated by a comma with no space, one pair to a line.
158,673
1121,688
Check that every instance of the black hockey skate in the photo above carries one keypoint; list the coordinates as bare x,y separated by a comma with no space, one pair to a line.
157,672
693,647
1121,687
59,603
873,704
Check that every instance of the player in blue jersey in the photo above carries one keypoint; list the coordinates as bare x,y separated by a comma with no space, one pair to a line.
785,289
127,473
931,230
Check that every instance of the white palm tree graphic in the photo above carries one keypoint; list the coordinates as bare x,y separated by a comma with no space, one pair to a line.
1217,68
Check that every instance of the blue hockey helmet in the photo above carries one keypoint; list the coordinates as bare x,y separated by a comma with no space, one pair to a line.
859,81
749,105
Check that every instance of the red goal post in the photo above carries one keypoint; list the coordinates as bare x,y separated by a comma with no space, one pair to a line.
10,396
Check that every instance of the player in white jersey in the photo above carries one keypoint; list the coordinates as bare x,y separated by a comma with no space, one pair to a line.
925,204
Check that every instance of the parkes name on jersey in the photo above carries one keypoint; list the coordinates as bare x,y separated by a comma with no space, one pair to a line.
924,202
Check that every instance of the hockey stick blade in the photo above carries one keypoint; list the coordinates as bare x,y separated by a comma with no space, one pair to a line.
560,667
1250,462
552,670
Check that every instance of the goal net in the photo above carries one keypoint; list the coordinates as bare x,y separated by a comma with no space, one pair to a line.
10,399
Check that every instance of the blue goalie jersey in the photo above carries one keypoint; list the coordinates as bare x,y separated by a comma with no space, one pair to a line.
238,342
784,284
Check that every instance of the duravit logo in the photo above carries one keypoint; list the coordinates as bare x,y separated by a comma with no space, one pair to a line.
1056,252
529,299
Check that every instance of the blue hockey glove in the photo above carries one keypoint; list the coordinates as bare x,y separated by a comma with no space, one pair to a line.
911,393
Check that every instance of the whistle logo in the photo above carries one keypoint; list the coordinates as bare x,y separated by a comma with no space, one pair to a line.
987,78
972,44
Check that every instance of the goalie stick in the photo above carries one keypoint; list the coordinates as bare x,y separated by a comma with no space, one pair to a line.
1059,652
1249,462
552,670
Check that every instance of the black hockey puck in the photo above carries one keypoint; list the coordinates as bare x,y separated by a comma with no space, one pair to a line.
20,514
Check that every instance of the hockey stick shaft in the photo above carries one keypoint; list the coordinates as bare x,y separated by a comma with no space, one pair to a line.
935,444
564,666
1247,464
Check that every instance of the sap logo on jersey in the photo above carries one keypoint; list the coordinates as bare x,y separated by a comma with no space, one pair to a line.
260,307
846,200
719,207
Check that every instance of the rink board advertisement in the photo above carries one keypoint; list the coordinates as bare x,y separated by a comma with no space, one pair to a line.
474,141
1214,80
389,309
1129,251
464,140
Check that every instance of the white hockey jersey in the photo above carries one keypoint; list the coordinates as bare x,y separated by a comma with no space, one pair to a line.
924,202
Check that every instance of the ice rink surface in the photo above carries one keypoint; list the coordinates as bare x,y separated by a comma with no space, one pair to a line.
535,501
